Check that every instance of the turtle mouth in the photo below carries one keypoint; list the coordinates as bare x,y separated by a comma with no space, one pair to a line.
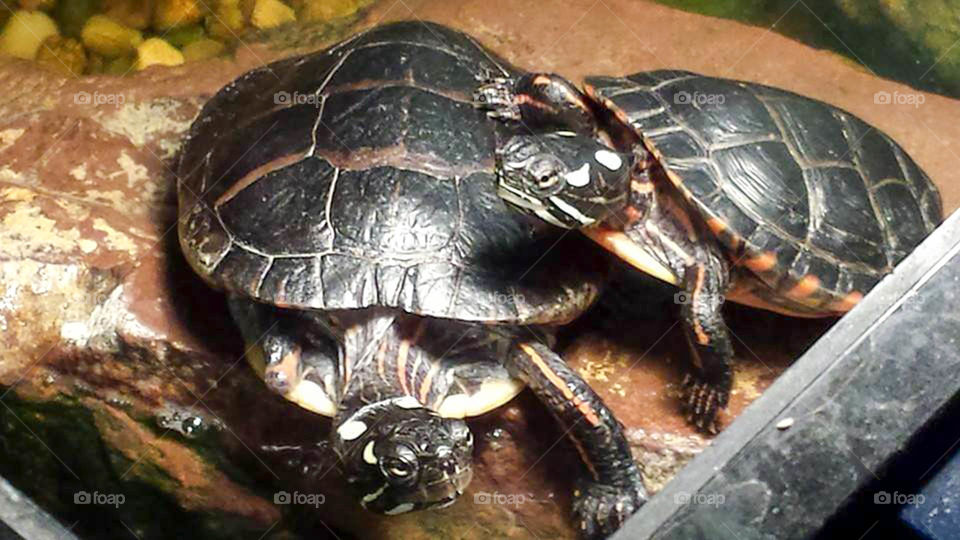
446,490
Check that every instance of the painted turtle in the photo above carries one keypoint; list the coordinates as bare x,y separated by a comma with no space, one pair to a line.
346,202
730,190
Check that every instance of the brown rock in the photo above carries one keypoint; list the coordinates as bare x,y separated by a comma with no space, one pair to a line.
109,341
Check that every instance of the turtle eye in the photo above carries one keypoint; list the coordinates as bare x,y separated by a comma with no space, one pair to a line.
547,181
398,469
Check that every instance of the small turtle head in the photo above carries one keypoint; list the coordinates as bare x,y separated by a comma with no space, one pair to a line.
568,180
401,457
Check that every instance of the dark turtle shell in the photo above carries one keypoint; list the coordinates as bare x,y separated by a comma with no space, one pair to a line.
363,176
812,200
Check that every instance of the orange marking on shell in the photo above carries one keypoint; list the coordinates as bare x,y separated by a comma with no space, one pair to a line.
256,174
848,302
761,263
555,380
716,226
702,337
622,246
805,287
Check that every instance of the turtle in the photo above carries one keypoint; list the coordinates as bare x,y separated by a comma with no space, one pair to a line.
345,201
726,189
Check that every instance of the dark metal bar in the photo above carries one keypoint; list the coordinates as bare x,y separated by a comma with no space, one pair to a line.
830,424
21,518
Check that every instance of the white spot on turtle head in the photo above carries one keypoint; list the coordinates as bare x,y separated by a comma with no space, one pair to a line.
579,177
609,159
408,402
352,429
405,507
368,455
371,496
566,133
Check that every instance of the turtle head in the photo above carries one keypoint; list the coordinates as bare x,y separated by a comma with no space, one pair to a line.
568,180
400,456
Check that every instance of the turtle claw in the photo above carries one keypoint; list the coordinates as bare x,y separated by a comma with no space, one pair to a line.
497,97
702,401
600,509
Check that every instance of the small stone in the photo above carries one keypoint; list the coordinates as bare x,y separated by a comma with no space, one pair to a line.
155,51
271,13
203,49
785,423
87,246
133,13
172,13
25,32
65,55
324,10
226,22
110,38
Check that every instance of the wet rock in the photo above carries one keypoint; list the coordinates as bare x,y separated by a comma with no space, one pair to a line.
122,374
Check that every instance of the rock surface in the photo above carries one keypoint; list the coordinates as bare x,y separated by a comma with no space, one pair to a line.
121,373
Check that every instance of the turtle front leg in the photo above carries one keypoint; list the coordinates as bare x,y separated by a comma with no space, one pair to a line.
270,348
707,390
614,488
540,101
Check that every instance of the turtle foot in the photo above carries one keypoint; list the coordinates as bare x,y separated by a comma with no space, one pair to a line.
600,509
702,401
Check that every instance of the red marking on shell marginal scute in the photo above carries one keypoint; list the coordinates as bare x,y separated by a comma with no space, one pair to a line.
764,262
716,226
847,303
808,285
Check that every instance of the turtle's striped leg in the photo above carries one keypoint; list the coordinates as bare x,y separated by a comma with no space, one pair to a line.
614,489
658,225
707,390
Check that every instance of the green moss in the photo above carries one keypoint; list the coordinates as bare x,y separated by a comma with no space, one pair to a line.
913,41
178,37
72,15
53,452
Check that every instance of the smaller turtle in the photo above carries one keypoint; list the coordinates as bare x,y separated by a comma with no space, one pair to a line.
729,190
377,277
